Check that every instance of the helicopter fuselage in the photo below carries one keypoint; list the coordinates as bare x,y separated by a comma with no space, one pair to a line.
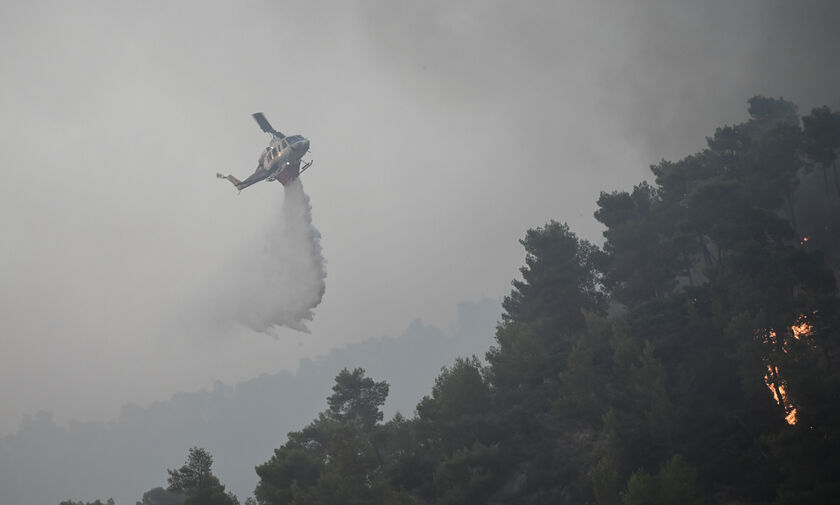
281,159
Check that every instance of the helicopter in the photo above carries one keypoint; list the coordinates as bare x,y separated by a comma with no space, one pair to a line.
280,161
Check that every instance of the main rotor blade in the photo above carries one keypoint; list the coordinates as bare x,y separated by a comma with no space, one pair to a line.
265,125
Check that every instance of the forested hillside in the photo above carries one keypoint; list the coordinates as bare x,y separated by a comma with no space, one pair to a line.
716,380
44,462
693,359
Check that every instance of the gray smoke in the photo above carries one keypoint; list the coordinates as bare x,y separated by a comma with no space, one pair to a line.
287,277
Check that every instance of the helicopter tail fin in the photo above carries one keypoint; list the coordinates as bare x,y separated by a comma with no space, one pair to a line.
236,182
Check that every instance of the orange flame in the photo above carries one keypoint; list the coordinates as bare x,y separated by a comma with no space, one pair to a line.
802,329
773,378
791,417
784,401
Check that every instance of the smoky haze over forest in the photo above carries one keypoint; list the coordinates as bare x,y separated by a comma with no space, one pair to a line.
240,423
441,131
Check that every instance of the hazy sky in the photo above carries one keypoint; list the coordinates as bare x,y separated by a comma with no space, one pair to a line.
440,130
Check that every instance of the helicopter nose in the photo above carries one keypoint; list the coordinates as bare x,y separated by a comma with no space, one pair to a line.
303,145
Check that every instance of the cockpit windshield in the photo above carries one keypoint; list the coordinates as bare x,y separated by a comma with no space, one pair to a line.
294,138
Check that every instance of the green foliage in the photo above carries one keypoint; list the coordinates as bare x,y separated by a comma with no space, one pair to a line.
642,489
334,460
725,325
160,496
291,469
822,134
641,261
822,142
468,475
607,481
350,472
714,379
357,398
544,315
808,459
766,113
578,407
676,482
559,279
457,413
196,481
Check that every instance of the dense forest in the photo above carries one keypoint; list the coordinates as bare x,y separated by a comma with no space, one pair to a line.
692,359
